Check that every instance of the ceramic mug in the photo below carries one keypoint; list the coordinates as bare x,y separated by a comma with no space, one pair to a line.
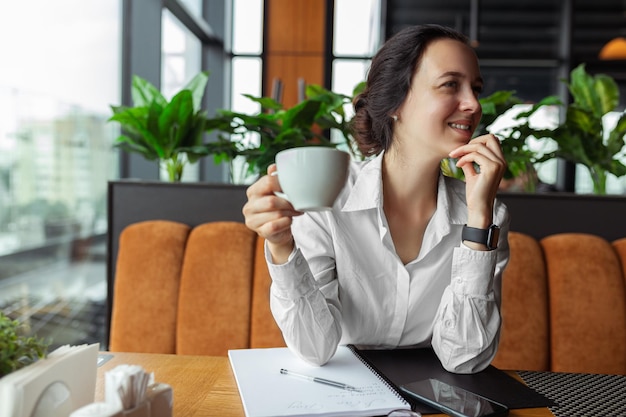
311,177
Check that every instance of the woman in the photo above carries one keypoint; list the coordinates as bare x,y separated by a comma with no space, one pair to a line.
407,257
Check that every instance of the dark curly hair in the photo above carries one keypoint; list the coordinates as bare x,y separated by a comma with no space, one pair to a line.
388,83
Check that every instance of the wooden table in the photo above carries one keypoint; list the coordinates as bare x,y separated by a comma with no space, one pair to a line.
205,385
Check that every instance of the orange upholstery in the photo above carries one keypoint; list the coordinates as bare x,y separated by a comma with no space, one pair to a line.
587,304
573,286
264,331
197,291
145,298
206,290
525,333
216,290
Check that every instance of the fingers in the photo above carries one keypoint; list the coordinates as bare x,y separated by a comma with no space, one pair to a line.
489,145
267,214
485,151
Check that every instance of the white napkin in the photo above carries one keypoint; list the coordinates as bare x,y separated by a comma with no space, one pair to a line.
126,385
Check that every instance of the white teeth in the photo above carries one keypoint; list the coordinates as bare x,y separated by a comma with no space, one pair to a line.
457,126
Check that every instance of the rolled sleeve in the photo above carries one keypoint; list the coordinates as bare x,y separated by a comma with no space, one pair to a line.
472,271
293,279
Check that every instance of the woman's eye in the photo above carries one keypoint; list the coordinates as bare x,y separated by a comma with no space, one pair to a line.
451,84
478,89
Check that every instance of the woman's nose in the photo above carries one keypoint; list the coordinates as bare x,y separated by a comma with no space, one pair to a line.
469,102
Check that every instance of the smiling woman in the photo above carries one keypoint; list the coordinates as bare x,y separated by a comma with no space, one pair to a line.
398,261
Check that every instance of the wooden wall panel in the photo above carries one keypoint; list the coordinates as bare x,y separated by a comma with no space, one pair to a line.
296,26
290,68
295,45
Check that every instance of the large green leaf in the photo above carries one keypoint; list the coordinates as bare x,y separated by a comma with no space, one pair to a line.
144,93
302,114
584,120
154,114
608,93
197,86
617,137
266,103
598,95
175,120
133,145
146,134
130,118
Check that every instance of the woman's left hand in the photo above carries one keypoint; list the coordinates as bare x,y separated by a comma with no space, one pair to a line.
482,183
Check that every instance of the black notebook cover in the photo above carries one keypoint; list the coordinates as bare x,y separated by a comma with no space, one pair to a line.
401,366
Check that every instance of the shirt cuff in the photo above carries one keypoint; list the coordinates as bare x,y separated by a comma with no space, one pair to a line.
293,279
472,271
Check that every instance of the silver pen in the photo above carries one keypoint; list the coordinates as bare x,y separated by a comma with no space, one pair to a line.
319,380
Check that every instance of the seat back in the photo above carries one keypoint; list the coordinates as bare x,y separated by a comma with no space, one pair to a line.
145,298
587,304
525,334
199,291
216,289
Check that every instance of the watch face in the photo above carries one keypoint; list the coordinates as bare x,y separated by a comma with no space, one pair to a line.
493,236
488,237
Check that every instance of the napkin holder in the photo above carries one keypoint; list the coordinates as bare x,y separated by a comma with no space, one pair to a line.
53,386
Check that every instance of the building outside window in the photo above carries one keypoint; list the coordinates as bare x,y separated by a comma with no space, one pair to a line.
60,73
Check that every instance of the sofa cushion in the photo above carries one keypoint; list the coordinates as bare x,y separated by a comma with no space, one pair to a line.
216,289
587,304
524,338
147,278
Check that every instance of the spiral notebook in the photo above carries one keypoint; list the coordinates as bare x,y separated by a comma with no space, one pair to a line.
401,366
265,392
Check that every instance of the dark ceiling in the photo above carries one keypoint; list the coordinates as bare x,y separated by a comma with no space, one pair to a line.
524,45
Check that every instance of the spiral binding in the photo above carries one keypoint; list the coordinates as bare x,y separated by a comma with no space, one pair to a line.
393,387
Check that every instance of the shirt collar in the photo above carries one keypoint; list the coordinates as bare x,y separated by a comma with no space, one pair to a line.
366,193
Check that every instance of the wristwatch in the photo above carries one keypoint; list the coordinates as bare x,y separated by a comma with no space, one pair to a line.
488,237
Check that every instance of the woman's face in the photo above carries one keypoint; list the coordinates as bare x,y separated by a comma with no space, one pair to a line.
441,110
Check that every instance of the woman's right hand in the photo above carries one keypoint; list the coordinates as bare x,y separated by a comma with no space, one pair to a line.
270,216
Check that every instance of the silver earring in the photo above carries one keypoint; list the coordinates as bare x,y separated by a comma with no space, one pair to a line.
395,117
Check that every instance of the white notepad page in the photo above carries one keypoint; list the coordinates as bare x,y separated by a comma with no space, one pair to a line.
266,392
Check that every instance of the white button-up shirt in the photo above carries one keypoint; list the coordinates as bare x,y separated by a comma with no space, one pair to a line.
344,282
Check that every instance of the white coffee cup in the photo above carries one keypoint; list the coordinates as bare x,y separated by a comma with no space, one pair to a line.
311,177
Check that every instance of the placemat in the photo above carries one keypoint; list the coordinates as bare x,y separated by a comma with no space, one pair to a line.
580,395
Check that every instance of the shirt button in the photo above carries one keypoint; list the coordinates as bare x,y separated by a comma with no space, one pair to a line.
306,276
298,261
459,280
449,324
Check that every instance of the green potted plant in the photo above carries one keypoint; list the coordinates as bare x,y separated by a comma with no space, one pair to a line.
304,124
582,137
172,131
16,349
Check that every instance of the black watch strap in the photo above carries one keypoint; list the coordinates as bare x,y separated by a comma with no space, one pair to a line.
488,237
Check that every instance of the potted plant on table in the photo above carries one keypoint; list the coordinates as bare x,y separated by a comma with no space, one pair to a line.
171,132
16,349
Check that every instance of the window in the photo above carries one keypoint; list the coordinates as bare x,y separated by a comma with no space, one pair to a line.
247,67
356,38
180,62
56,154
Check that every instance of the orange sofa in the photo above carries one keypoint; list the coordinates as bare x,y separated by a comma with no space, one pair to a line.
204,290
